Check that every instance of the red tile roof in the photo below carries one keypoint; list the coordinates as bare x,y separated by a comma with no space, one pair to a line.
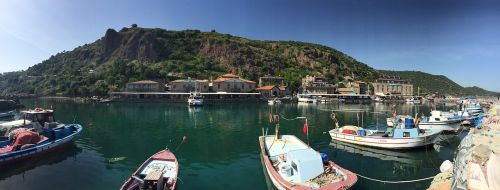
144,82
230,76
265,88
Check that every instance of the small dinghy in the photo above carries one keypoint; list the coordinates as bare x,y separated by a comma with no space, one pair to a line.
159,172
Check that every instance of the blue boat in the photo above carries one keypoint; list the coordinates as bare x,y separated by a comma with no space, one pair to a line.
27,143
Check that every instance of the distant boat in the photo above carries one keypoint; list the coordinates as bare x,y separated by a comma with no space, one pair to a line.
274,101
378,99
23,143
159,172
106,100
7,114
195,99
410,100
306,98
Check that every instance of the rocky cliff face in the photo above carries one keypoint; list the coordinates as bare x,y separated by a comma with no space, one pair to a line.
148,53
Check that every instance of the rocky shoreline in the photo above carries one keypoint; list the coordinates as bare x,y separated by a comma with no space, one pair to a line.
477,161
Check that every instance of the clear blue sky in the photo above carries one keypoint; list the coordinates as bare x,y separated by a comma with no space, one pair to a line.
456,38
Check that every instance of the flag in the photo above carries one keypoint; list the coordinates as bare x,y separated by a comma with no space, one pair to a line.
305,128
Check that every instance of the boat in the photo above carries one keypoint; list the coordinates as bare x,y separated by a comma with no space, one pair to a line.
195,99
402,133
306,98
378,99
7,114
36,118
23,143
410,100
292,164
274,101
399,138
158,172
439,120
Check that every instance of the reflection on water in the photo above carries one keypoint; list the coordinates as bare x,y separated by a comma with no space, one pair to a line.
222,150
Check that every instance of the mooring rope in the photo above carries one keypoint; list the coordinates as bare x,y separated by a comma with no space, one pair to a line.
404,181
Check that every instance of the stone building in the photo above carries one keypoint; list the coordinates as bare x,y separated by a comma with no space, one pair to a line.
143,86
189,85
232,83
273,91
393,86
317,85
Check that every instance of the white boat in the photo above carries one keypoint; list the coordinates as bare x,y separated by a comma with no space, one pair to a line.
195,99
378,99
7,114
440,121
292,164
399,138
36,118
410,100
306,98
274,101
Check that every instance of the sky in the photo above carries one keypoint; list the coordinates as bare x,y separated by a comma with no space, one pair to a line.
456,38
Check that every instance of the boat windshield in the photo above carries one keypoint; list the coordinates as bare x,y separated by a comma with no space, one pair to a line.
39,117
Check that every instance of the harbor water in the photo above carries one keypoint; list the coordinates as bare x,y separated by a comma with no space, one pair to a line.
222,149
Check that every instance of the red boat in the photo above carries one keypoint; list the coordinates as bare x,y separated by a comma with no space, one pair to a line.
159,172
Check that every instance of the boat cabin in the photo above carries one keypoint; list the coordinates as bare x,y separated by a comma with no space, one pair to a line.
405,133
38,115
37,118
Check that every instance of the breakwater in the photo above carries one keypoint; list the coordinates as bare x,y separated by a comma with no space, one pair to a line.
477,161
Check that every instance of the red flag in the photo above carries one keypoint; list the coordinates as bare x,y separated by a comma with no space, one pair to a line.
305,128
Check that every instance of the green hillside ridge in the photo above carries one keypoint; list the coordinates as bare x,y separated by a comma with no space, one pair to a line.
437,84
136,53
143,53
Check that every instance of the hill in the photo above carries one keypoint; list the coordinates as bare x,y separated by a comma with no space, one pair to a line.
151,53
437,84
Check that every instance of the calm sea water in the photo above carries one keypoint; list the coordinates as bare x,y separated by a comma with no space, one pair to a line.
222,151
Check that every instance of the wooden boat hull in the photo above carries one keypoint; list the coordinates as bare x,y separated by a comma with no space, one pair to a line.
165,155
381,142
282,184
25,154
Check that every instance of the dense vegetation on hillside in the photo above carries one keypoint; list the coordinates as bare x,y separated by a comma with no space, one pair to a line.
140,53
437,84
135,53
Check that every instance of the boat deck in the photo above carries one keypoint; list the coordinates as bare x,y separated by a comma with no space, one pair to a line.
283,145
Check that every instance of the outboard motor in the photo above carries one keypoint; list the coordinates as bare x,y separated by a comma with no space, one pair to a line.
325,158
